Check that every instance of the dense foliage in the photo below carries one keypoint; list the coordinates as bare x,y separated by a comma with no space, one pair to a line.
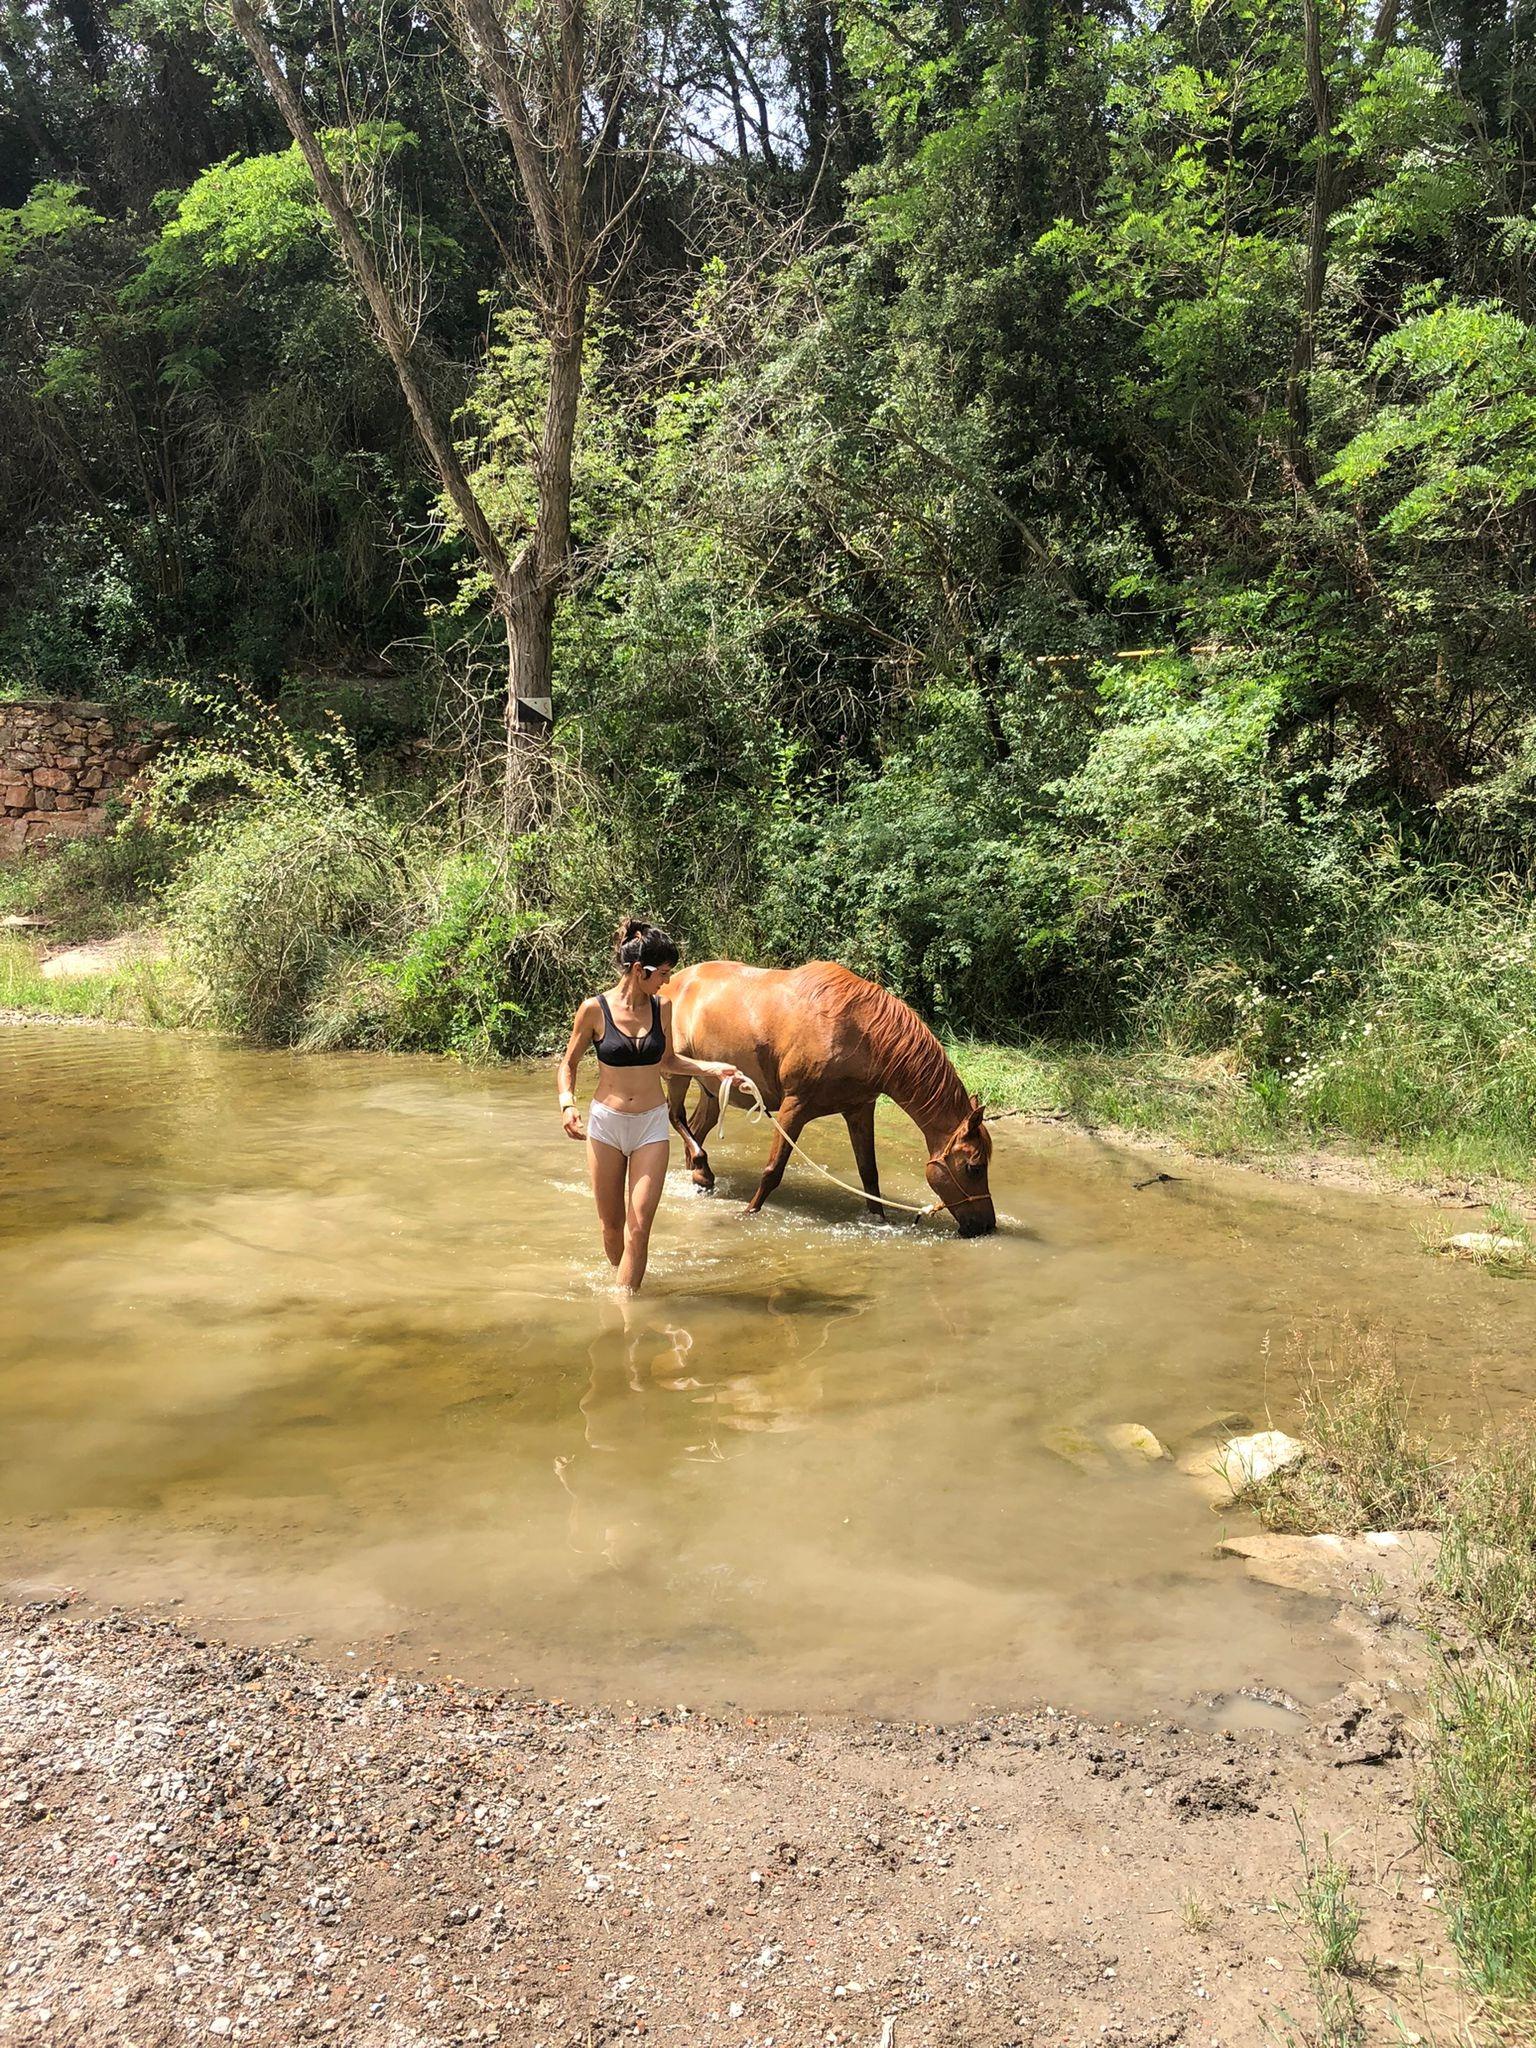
1054,508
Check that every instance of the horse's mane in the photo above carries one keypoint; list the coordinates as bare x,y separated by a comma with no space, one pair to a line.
915,1069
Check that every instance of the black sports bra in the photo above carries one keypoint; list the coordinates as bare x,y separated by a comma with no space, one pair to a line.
617,1049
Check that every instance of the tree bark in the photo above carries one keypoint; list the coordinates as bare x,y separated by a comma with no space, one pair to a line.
552,170
529,706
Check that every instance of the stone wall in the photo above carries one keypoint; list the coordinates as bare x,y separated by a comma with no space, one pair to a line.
59,764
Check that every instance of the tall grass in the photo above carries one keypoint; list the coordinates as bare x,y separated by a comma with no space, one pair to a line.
142,992
1368,1465
1331,1924
1487,1563
1328,1913
1441,1044
1477,1806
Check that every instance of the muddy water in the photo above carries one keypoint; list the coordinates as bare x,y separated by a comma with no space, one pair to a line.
321,1347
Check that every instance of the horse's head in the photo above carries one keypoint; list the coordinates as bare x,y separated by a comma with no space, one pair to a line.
957,1173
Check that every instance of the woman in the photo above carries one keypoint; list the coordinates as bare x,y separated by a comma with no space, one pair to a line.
629,1027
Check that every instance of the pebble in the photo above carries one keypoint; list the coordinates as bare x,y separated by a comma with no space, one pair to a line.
227,1802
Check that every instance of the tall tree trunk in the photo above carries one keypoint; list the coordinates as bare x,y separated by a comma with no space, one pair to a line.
540,572
552,169
1326,186
732,82
529,700
87,28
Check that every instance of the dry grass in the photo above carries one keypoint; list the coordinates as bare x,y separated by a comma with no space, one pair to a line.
1368,1466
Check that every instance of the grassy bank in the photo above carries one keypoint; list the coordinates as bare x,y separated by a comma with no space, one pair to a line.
1214,1104
1368,1466
1210,1103
318,900
129,995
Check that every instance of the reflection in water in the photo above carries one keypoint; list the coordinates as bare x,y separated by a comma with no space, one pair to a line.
319,1346
650,1404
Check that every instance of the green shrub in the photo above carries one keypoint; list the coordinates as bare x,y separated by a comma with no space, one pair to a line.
1228,902
1477,1812
924,882
265,909
92,887
453,984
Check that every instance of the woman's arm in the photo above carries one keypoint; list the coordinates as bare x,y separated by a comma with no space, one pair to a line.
583,1032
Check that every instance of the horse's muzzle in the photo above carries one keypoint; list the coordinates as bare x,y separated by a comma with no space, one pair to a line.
976,1219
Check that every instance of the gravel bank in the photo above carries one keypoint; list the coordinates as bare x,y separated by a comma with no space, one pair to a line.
199,1840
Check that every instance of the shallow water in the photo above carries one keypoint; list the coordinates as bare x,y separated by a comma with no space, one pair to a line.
321,1347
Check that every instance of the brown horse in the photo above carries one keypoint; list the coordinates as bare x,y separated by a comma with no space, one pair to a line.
819,1041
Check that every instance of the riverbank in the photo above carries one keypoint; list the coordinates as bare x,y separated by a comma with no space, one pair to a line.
1200,1107
200,1839
1207,1106
369,1425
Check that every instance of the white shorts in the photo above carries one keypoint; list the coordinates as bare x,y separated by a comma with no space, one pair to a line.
627,1130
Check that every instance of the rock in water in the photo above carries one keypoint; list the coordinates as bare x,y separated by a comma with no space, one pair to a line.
1077,1448
1245,1460
1134,1443
1485,1244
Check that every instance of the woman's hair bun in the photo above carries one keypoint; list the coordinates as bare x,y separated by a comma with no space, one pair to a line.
639,944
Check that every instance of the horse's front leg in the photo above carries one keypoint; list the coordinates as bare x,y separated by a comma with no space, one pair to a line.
861,1133
790,1119
695,1129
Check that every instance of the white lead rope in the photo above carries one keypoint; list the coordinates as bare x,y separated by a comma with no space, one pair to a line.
762,1111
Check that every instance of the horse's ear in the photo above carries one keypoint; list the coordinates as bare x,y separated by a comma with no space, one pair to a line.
973,1122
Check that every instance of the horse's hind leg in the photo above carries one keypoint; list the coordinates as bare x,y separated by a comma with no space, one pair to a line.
790,1120
861,1132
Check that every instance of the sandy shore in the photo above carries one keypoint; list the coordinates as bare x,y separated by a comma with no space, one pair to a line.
200,1840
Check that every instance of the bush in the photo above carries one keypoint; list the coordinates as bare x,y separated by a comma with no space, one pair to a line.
91,887
923,881
266,911
453,983
1226,903
315,913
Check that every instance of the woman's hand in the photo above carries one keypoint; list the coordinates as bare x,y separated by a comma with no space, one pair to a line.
733,1078
570,1120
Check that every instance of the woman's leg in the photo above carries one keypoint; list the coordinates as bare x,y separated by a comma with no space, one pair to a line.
647,1177
605,1167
